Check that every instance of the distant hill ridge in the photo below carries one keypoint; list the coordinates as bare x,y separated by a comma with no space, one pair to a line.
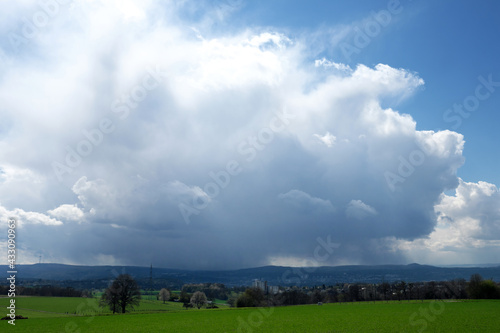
275,275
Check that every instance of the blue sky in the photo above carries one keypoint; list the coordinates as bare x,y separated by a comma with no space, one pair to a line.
249,133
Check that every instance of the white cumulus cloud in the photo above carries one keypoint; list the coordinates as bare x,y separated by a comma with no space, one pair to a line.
359,210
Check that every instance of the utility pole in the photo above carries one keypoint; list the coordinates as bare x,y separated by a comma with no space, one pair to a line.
151,280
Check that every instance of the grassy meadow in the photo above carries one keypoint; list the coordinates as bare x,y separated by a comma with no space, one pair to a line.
58,314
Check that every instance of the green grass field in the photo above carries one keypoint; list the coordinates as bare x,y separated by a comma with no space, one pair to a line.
153,316
40,307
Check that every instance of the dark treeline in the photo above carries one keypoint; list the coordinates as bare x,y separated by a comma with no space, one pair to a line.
53,291
476,288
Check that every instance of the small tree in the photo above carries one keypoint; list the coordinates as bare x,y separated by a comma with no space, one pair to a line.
316,297
482,289
164,295
232,301
252,297
184,297
198,299
474,287
123,292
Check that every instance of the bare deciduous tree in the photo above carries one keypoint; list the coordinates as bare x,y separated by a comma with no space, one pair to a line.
123,292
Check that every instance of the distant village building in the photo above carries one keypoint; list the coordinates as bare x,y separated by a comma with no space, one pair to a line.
262,285
273,289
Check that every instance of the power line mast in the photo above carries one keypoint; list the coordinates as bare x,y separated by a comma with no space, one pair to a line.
151,280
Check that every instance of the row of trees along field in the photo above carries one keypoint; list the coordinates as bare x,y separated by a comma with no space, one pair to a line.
476,288
124,293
